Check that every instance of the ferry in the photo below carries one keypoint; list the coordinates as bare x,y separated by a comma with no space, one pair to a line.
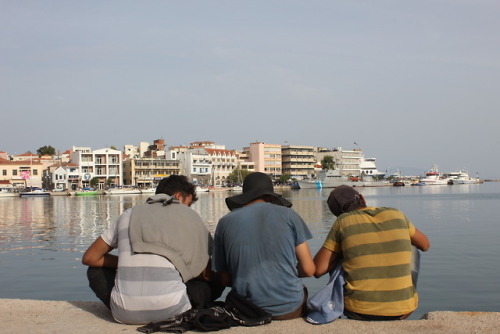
334,178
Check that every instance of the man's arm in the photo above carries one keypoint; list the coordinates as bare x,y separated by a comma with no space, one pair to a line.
306,265
97,255
420,240
325,260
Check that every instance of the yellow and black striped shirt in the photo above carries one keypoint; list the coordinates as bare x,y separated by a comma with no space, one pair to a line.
376,249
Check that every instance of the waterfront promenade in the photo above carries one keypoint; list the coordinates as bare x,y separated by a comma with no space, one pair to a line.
39,316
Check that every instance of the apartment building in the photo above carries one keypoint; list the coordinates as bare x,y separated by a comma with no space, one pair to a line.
104,164
347,161
298,161
147,172
196,165
266,158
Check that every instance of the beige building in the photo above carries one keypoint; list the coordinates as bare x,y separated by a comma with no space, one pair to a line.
104,164
21,173
298,161
147,172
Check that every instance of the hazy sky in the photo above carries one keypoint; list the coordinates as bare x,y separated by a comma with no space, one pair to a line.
411,82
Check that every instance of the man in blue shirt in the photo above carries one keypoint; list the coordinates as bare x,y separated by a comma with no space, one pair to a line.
260,249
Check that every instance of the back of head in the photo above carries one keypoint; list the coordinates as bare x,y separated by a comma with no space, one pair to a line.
343,199
177,183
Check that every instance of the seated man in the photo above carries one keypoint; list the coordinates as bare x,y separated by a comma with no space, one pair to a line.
260,249
375,245
163,258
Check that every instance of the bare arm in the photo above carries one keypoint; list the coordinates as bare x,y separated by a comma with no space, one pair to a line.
325,260
97,255
420,240
306,265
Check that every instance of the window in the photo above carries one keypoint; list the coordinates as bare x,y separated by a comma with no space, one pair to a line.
35,171
4,172
14,172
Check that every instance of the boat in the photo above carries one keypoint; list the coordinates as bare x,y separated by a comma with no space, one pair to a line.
433,177
334,178
200,189
151,190
123,190
236,188
34,192
462,177
87,192
8,193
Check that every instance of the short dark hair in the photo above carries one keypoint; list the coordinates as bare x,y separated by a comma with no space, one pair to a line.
177,183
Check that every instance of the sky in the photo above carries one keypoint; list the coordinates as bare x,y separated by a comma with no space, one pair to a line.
412,83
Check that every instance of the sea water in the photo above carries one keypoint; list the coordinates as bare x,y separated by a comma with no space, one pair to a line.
42,240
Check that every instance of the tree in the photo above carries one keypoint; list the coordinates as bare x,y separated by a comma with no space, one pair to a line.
238,175
327,162
284,178
109,181
46,150
94,182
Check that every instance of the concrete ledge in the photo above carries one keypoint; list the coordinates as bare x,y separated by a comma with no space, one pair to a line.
41,316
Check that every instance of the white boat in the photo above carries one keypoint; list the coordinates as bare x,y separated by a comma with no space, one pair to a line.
202,189
236,188
8,193
151,190
462,177
123,191
34,192
334,178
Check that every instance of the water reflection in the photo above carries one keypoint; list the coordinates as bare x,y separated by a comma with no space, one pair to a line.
42,239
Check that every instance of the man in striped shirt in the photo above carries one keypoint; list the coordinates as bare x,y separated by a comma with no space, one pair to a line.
162,267
375,247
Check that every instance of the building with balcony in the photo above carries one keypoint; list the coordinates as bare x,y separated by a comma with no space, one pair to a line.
104,164
21,173
266,158
147,172
347,161
297,161
196,165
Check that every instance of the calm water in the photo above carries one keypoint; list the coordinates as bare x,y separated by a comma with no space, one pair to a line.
42,240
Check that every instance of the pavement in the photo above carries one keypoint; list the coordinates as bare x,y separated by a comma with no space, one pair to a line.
77,317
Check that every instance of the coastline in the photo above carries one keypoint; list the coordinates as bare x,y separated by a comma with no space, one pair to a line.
42,316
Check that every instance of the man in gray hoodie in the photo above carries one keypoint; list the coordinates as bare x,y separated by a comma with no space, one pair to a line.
163,263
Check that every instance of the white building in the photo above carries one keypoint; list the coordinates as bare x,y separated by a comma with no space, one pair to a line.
104,164
195,164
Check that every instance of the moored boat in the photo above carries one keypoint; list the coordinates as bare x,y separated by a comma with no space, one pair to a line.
333,178
434,177
462,177
88,192
123,190
34,192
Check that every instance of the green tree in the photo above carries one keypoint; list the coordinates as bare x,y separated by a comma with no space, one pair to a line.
46,150
327,162
94,182
238,175
113,147
284,178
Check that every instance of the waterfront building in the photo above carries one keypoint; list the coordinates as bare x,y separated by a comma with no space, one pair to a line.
196,165
223,163
104,164
347,161
147,172
297,161
266,157
21,173
63,177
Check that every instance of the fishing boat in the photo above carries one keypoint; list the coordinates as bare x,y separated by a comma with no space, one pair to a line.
334,178
434,177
